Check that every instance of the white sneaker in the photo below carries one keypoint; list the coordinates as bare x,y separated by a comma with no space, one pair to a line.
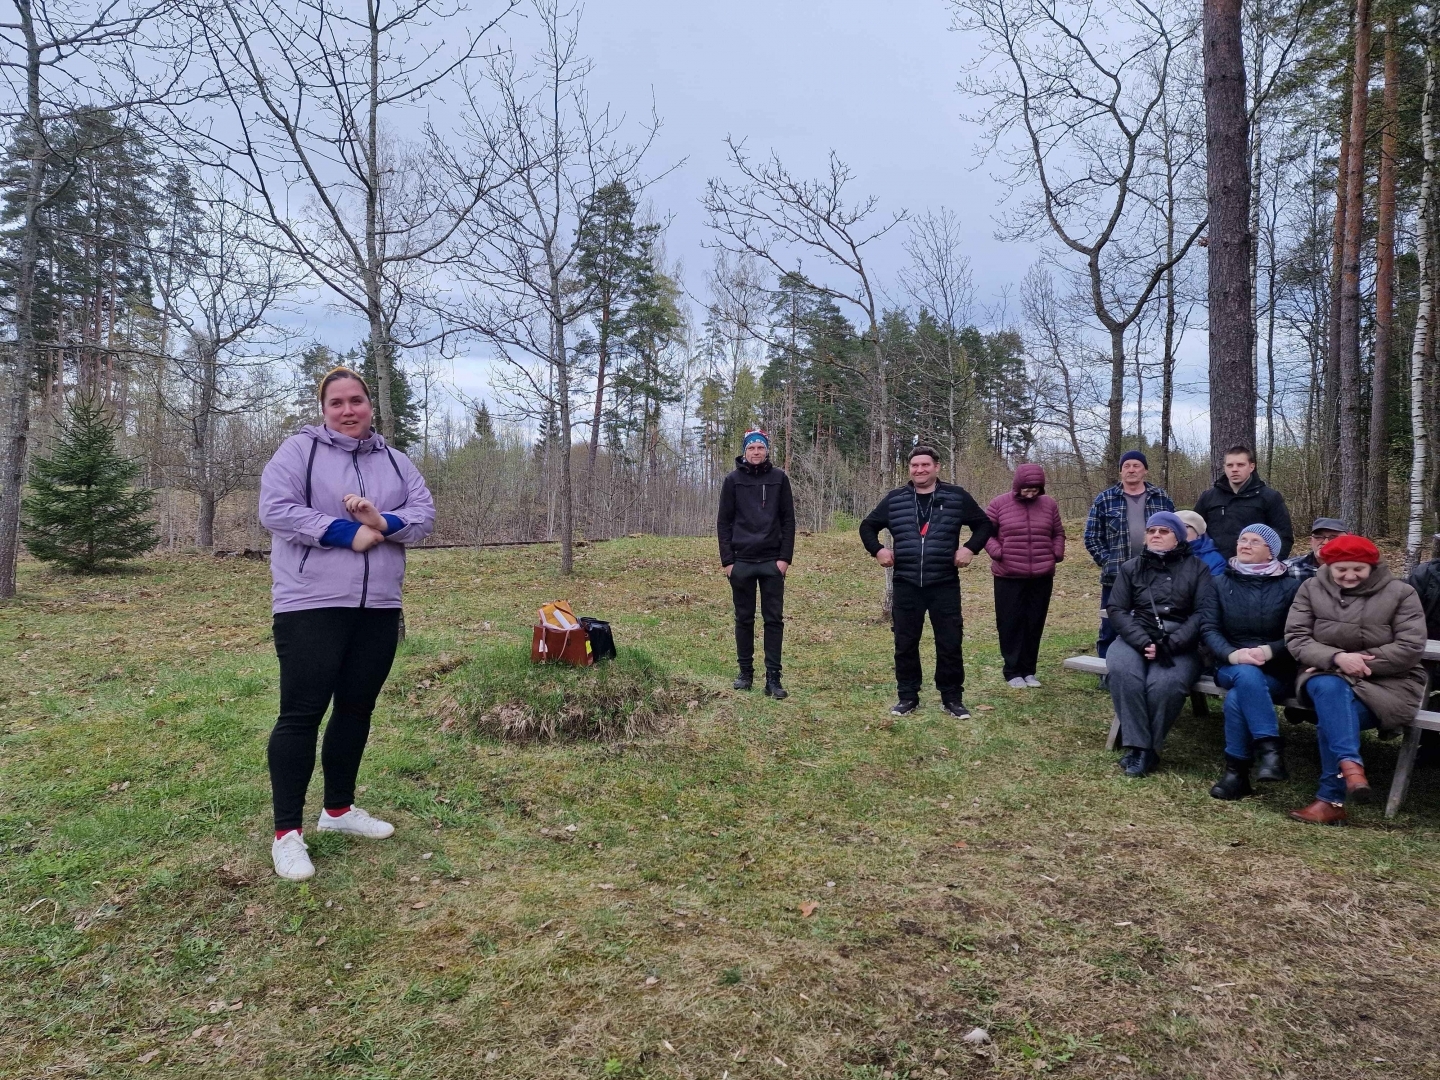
292,857
356,822
1030,680
1016,683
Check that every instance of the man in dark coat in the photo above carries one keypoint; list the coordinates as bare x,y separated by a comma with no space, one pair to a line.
756,527
1241,498
924,518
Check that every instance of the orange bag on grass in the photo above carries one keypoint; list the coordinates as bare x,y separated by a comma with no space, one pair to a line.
559,636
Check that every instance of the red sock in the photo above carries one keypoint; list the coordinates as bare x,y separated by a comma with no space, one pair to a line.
281,833
338,813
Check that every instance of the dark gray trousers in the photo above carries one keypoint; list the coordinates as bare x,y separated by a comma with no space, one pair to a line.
1148,696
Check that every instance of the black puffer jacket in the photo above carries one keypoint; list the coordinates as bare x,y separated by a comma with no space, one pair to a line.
1242,611
757,515
1171,586
929,559
1227,512
1425,579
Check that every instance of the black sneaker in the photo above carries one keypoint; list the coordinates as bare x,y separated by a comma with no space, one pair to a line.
744,680
956,709
904,707
773,689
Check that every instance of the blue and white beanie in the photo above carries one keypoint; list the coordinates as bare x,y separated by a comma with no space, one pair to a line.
754,435
1269,535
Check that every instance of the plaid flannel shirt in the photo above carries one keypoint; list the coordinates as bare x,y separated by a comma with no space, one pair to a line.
1107,533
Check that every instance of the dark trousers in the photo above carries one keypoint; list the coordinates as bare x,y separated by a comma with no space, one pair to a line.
907,612
744,578
1107,632
1021,605
325,653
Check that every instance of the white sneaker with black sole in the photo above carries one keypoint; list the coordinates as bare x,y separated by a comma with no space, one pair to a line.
292,857
355,822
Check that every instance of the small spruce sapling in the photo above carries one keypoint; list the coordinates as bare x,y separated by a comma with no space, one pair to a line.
82,512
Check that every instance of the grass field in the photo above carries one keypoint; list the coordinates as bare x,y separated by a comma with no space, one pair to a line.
766,890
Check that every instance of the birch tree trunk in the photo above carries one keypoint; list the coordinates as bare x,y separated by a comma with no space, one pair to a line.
1425,313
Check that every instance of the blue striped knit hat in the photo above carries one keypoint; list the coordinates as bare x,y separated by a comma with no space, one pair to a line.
1269,535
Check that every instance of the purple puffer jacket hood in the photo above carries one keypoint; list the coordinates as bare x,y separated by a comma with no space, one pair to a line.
302,492
1028,476
1029,539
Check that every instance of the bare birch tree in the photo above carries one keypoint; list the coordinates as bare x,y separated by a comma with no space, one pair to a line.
553,151
778,218
319,94
1423,346
939,279
1070,102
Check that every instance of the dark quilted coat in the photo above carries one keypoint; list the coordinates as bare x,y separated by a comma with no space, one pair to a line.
1242,611
1169,585
929,559
1028,540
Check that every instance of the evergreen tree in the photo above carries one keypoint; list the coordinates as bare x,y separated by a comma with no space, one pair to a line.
81,512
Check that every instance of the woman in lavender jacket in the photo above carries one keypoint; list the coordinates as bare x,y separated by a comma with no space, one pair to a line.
340,506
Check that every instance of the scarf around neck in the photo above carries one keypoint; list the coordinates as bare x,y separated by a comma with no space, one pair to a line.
1273,568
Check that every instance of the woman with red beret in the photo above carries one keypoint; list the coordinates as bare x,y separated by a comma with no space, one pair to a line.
1358,635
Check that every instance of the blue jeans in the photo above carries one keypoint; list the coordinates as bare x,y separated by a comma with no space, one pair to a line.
1249,706
1340,717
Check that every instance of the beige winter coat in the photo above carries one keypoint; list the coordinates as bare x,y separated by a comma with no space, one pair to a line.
1381,616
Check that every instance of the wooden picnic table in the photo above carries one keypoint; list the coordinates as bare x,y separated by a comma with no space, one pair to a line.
1206,687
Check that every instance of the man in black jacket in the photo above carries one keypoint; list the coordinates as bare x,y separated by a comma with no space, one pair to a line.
756,526
1241,498
924,518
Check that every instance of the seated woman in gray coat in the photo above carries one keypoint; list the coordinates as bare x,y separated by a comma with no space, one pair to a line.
1155,609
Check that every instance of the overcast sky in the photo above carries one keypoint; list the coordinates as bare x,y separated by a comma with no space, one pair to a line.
875,81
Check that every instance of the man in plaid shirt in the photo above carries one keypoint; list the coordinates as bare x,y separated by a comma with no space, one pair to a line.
1115,529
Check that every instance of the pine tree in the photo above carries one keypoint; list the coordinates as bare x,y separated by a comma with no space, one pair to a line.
81,512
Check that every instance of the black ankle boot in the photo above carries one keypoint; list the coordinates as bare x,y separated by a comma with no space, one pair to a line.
1270,759
773,688
744,680
1235,784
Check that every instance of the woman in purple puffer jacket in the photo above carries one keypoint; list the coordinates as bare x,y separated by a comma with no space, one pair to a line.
340,506
1027,543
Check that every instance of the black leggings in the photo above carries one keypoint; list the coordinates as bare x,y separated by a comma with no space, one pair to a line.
325,653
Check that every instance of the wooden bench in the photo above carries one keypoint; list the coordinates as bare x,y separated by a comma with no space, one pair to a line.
1206,688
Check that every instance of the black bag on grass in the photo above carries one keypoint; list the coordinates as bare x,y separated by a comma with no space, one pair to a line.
602,641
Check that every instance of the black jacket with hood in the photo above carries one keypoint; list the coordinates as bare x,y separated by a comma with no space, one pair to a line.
1227,512
1170,587
757,515
927,559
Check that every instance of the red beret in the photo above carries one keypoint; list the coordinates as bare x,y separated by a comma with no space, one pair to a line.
1348,547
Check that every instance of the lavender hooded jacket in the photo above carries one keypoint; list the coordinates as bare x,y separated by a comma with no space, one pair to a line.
302,491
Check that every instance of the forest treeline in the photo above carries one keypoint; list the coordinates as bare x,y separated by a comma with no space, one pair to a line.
187,182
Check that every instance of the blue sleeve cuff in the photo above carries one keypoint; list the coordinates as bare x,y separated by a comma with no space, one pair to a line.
341,533
392,524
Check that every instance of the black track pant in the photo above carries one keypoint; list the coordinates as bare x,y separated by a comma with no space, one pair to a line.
325,653
1021,605
908,609
744,577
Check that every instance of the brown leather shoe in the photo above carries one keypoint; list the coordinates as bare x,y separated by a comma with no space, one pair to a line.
1356,786
1320,812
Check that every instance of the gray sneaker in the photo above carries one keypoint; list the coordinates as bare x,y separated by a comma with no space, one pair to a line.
1016,683
1030,680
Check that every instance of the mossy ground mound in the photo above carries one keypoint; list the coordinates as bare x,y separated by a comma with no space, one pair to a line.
502,695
